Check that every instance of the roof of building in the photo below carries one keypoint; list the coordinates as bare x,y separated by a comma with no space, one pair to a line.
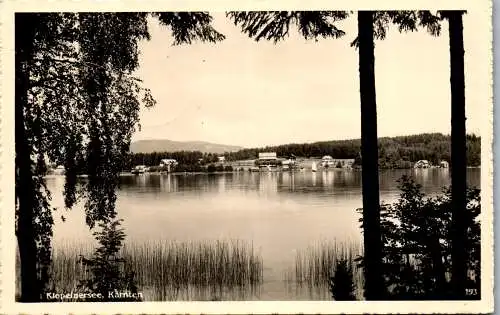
267,155
168,161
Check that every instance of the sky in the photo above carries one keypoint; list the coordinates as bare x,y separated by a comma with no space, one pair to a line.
252,94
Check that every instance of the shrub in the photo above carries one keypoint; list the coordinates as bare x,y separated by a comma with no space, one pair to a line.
211,168
106,267
342,283
315,265
416,236
219,168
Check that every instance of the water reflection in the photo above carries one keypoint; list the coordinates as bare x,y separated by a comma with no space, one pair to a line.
168,183
328,178
221,183
270,183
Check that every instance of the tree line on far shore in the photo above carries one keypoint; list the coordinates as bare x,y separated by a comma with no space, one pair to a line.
394,152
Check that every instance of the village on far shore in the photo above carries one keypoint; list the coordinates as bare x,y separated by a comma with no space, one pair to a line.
270,162
265,162
155,156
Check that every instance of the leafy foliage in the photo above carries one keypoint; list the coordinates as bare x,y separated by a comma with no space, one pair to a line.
77,105
276,25
416,234
107,268
182,157
112,98
189,26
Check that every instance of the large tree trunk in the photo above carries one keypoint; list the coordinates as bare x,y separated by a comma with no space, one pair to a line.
458,154
374,286
438,268
24,177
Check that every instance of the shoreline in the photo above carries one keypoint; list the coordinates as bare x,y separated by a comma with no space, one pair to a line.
273,171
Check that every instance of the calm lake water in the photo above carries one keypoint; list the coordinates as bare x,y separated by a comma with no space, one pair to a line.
279,213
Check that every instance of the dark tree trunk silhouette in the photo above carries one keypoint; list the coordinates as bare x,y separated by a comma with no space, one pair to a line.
24,189
374,287
435,251
458,154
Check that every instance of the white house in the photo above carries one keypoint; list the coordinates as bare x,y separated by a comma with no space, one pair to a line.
166,162
444,164
422,164
221,159
327,161
139,169
267,159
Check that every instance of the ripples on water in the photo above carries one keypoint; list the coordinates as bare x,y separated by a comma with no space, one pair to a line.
279,214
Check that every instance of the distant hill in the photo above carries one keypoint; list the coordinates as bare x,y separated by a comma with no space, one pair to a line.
149,146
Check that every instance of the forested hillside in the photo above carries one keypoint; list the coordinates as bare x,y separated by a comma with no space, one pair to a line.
394,152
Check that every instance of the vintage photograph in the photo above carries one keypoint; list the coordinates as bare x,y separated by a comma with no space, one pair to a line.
196,156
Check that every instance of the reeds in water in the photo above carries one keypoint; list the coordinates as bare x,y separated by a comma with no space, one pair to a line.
67,269
315,265
217,263
169,269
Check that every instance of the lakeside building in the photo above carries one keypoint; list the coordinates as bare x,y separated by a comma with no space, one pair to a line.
243,164
444,164
166,162
221,159
422,164
169,164
267,160
268,156
329,162
139,169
